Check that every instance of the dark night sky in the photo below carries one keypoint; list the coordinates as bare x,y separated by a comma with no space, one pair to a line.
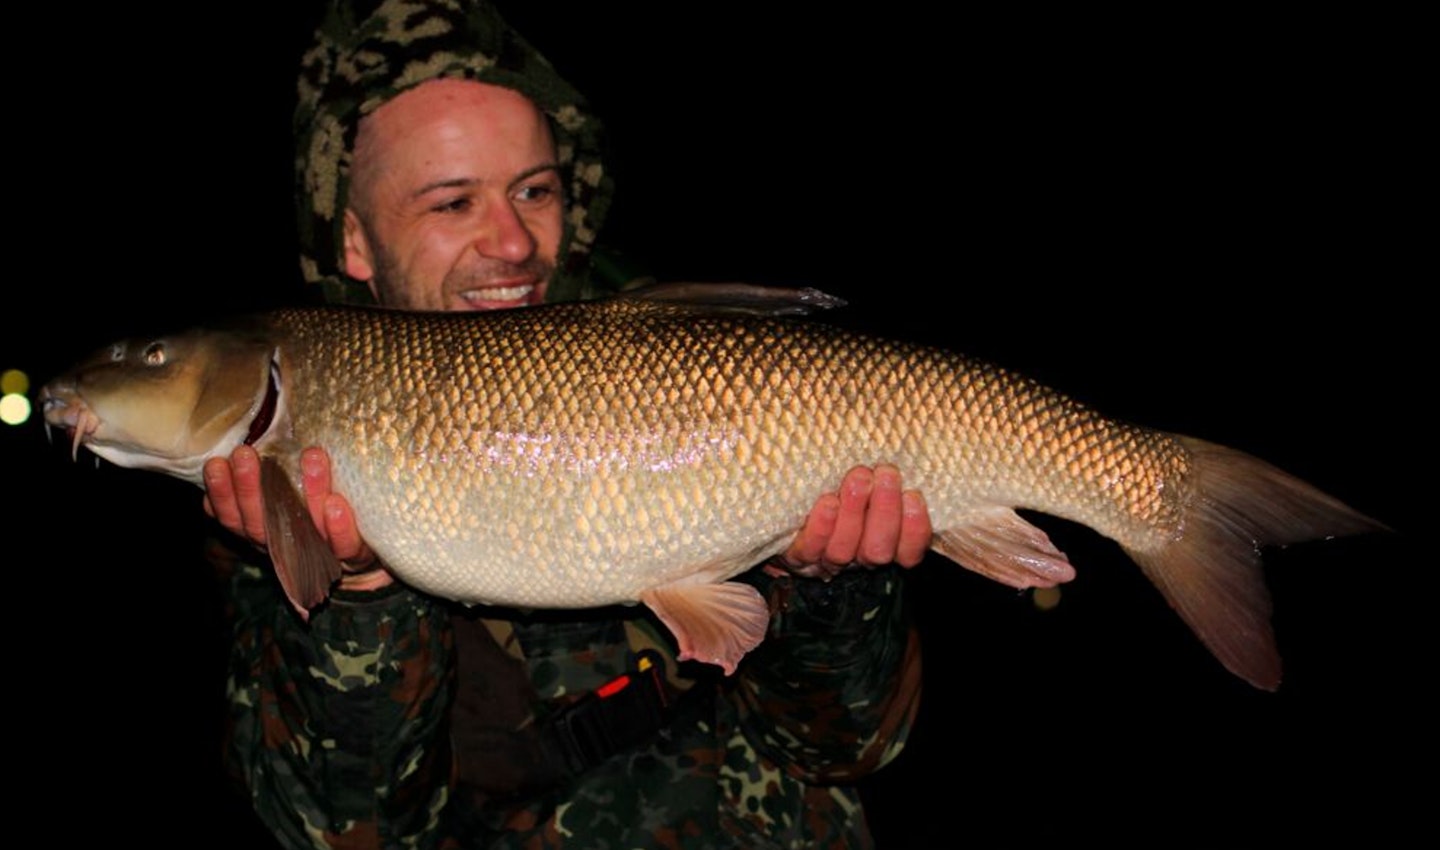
1198,224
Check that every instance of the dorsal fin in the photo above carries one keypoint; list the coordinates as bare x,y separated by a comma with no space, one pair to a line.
735,298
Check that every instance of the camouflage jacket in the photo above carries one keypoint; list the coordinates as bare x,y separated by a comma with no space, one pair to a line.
346,732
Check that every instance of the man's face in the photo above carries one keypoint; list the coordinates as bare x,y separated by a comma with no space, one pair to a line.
456,201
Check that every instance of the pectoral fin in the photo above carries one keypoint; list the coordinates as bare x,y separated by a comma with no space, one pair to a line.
998,544
714,623
303,561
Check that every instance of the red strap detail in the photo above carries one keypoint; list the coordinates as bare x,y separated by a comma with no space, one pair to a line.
613,687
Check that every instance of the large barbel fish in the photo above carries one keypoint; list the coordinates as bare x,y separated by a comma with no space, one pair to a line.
650,448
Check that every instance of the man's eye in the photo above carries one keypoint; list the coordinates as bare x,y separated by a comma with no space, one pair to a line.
455,205
539,192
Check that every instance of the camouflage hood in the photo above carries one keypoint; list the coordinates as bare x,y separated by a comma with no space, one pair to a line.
366,53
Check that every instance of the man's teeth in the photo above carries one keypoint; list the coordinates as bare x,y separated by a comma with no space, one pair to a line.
499,293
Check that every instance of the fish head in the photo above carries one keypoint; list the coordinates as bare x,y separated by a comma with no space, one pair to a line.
166,403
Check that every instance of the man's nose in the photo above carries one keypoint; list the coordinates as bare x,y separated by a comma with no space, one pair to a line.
504,235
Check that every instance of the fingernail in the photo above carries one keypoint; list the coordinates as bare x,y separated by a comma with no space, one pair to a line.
310,464
244,458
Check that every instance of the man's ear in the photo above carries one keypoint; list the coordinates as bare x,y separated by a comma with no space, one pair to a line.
359,259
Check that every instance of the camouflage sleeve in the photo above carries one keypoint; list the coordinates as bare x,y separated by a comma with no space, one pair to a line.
337,728
831,693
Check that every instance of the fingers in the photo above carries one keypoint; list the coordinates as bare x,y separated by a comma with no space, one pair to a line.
871,520
344,535
315,483
232,494
915,529
855,491
363,570
245,473
220,493
881,519
332,512
809,545
233,497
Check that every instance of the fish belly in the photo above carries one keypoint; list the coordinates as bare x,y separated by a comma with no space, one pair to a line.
589,530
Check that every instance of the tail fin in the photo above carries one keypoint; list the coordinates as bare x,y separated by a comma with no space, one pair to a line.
1211,572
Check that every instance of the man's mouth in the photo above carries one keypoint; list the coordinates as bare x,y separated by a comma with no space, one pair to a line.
498,297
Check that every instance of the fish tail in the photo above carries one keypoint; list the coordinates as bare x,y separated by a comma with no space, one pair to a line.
1210,570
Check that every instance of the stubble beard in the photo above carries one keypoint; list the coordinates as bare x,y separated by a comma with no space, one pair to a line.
393,290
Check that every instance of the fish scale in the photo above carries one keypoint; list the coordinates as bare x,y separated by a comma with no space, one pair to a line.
724,429
644,449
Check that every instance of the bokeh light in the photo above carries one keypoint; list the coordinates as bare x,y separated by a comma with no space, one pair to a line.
1046,598
14,382
14,409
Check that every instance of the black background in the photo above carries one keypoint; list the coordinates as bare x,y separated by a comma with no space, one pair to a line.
1203,222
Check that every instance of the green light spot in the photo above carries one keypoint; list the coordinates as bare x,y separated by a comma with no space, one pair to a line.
1046,598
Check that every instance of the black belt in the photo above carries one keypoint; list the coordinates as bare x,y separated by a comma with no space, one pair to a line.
624,712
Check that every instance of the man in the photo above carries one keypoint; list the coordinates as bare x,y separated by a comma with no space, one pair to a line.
445,166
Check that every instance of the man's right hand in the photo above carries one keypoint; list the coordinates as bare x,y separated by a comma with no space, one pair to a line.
233,498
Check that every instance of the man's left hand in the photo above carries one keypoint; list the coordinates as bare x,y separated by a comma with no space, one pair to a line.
869,521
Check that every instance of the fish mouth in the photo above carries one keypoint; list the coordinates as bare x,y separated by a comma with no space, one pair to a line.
62,408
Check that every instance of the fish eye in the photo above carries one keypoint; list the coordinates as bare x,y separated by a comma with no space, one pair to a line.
154,354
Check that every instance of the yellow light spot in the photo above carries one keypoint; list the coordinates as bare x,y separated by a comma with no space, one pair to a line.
15,382
14,409
1046,598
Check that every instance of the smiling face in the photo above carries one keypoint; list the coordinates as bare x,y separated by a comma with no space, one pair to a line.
455,201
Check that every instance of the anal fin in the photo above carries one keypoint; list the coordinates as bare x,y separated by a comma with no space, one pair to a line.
714,623
997,543
306,567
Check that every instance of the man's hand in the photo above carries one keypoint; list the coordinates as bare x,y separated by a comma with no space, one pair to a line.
233,498
870,521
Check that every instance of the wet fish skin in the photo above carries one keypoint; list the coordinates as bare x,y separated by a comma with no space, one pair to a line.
587,454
